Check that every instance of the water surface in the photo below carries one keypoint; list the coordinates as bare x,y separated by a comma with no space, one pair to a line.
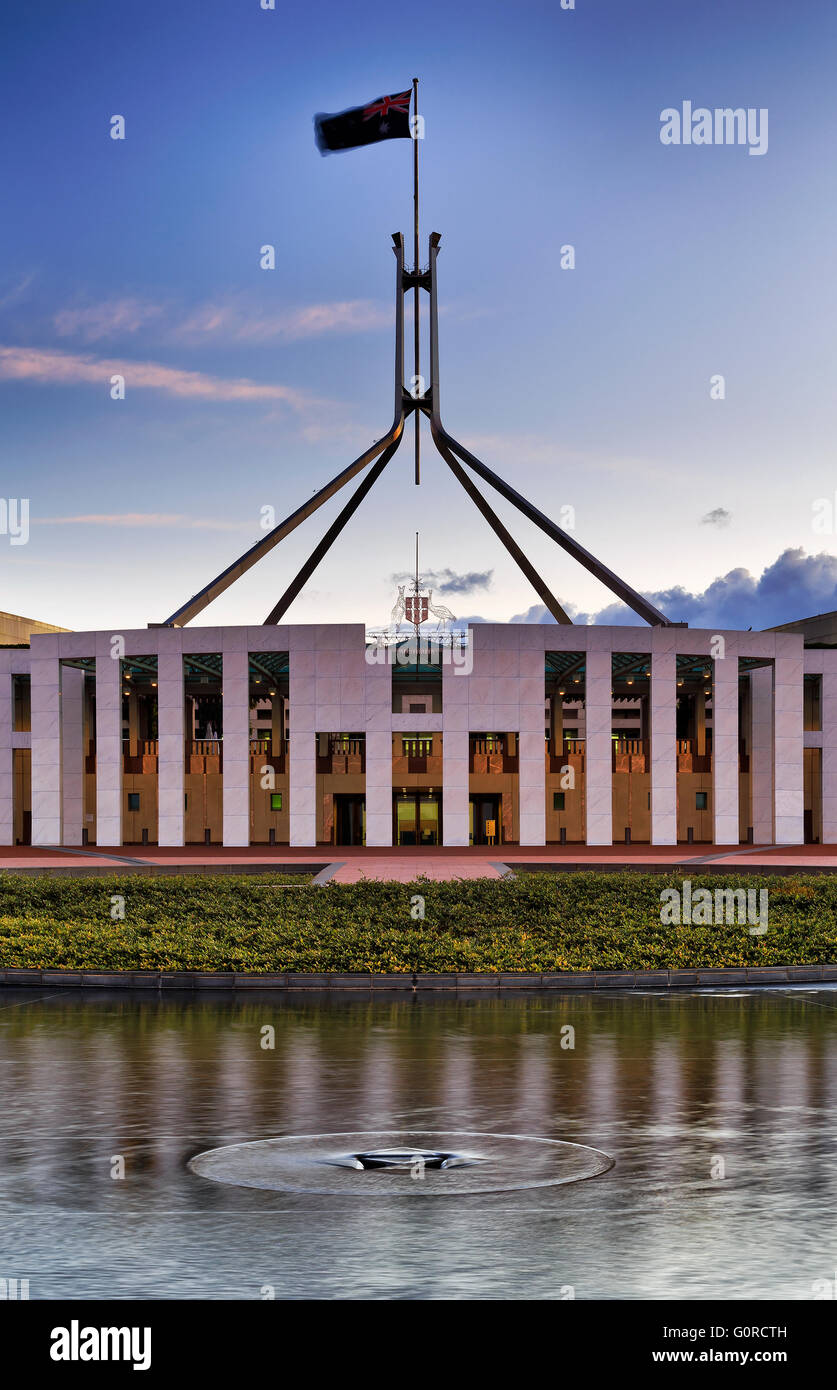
678,1088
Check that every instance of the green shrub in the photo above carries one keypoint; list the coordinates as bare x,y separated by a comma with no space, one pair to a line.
536,922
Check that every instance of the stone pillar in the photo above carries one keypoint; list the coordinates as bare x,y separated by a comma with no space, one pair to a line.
7,809
663,733
532,787
277,724
302,755
598,758
788,789
133,724
455,784
302,781
761,753
828,706
72,754
557,723
456,687
725,747
108,750
46,745
379,787
171,733
700,724
236,747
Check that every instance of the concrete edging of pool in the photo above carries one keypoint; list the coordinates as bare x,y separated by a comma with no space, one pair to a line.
502,981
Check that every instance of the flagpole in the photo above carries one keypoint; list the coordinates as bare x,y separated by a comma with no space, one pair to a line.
416,267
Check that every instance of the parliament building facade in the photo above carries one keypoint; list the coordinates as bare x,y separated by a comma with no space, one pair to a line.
528,734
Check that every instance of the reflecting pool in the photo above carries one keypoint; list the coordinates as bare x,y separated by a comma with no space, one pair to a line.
718,1109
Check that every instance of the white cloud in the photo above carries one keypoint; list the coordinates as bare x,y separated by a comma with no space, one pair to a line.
152,519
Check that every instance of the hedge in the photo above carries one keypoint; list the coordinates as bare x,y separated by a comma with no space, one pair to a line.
537,922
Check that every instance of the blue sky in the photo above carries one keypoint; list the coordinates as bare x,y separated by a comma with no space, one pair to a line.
248,388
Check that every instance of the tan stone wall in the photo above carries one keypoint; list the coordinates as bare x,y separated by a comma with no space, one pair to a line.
22,779
204,793
16,631
262,819
330,784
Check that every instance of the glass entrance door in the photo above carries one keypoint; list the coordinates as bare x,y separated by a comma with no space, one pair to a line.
486,814
418,818
350,820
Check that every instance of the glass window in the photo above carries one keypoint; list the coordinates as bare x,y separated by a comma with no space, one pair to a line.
557,801
275,801
701,801
133,801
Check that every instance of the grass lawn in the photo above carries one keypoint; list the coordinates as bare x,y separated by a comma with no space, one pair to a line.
271,922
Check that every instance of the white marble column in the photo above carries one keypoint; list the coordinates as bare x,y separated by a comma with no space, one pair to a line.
236,747
725,746
828,706
7,813
108,750
456,696
532,785
46,744
302,782
598,750
788,788
377,722
379,787
663,706
455,785
761,753
302,746
171,734
72,754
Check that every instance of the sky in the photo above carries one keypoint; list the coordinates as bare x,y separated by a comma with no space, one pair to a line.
593,390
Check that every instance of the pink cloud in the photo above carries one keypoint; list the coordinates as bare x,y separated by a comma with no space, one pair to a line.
153,519
237,321
52,367
106,319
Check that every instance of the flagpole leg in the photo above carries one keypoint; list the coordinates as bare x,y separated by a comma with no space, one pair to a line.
416,292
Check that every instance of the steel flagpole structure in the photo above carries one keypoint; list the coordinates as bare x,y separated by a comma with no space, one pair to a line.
416,300
455,455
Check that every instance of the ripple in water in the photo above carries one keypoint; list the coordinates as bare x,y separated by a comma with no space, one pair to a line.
401,1163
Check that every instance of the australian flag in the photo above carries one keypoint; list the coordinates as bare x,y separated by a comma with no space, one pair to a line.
388,118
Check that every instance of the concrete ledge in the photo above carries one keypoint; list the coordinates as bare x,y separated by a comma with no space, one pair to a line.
194,980
120,869
686,868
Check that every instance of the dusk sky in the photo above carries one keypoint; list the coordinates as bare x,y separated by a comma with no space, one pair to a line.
248,388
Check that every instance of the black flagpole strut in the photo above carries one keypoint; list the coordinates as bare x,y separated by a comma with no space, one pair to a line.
508,541
443,441
277,613
199,601
416,306
451,451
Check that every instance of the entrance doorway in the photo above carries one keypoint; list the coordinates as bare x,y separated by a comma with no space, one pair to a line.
486,820
417,818
350,820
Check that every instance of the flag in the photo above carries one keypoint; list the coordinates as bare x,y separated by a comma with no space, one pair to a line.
388,118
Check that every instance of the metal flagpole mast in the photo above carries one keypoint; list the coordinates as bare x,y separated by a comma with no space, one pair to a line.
416,267
416,600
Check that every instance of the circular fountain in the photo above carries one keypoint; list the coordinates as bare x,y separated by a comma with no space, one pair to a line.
401,1163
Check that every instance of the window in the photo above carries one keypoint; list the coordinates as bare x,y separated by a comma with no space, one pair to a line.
570,733
416,747
701,801
133,801
557,801
275,801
